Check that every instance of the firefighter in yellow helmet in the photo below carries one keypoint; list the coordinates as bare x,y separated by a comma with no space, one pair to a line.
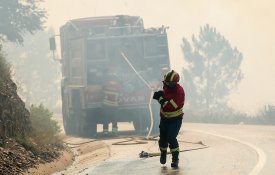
171,100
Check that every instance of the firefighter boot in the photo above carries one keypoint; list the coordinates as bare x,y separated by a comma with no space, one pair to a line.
163,157
175,159
114,131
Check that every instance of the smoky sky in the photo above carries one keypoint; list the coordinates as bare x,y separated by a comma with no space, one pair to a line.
248,25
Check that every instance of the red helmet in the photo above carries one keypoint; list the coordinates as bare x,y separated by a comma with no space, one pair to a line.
171,76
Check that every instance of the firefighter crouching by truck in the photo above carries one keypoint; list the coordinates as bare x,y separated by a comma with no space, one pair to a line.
171,99
111,92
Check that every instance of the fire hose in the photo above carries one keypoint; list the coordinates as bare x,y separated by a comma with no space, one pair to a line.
147,84
144,154
138,140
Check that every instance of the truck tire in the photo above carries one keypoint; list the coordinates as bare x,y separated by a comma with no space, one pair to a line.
91,123
82,123
141,121
93,129
77,116
140,125
73,126
156,118
155,129
69,123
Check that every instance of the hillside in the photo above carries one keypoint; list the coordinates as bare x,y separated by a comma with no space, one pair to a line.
18,151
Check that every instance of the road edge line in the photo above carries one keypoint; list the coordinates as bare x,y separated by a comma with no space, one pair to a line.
261,155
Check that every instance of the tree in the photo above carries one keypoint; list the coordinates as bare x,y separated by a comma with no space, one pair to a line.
213,70
266,115
35,70
19,17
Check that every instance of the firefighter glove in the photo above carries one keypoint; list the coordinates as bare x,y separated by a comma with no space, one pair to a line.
157,95
163,101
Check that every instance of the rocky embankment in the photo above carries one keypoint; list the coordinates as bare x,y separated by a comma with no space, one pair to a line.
15,159
14,117
15,124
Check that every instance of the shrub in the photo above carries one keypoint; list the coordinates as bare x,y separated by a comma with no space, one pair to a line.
28,144
45,129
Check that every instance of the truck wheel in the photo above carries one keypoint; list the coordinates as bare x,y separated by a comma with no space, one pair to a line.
91,130
140,125
155,129
69,125
73,125
156,118
91,123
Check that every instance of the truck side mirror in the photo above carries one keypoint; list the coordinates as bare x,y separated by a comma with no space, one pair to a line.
52,44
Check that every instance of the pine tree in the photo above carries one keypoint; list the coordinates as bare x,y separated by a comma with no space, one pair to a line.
213,70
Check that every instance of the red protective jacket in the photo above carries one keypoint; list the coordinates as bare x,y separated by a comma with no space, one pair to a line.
174,107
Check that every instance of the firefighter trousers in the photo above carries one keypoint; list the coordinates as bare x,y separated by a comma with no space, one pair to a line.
169,129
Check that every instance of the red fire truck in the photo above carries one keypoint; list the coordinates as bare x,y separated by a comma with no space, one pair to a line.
91,45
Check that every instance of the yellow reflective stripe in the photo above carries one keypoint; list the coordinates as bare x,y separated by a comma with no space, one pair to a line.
163,149
175,149
110,103
160,98
174,73
165,104
171,114
173,103
166,76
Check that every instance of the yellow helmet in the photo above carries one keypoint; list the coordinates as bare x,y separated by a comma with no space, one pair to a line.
171,76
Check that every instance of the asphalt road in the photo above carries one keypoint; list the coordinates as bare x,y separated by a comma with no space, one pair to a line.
251,150
233,150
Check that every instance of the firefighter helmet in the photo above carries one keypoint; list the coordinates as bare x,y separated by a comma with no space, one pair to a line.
171,76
